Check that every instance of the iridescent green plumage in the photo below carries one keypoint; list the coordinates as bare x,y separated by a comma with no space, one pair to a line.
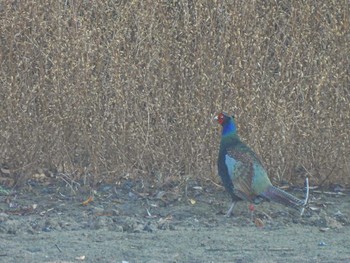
242,172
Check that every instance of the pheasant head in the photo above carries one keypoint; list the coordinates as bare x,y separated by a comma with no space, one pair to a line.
227,122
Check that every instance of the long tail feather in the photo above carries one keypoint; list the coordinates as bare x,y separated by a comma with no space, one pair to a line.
278,195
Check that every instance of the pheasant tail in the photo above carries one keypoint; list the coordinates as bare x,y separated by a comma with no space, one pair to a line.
278,195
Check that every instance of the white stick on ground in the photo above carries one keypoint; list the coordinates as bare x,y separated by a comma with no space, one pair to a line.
306,196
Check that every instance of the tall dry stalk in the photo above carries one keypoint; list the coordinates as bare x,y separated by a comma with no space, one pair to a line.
100,89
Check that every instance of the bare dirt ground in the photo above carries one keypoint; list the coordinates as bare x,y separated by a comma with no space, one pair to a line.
49,223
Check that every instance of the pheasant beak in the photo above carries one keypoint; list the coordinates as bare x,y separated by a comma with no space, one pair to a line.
215,118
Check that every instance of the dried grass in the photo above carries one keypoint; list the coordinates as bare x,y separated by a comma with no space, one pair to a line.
105,89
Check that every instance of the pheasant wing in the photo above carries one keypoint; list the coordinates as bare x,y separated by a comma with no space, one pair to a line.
240,167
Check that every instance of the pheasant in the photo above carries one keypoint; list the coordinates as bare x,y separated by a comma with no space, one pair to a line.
243,174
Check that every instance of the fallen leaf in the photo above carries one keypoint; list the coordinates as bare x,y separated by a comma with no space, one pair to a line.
39,176
258,222
192,201
324,229
89,200
314,208
80,258
166,219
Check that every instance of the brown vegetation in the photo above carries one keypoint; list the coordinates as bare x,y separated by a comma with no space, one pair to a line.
101,89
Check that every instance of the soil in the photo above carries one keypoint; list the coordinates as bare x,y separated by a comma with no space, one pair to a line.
125,223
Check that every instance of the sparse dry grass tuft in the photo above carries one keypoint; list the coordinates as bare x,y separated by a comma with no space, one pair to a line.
101,89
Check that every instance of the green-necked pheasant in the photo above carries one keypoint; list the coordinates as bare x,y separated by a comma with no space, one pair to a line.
242,172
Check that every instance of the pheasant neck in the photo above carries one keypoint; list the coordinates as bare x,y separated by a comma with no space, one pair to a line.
229,129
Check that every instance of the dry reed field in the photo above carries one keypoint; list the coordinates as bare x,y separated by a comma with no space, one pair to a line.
103,90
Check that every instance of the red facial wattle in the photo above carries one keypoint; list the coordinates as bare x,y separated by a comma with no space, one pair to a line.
221,118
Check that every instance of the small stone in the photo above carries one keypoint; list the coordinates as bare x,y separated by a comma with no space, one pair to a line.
3,217
324,229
